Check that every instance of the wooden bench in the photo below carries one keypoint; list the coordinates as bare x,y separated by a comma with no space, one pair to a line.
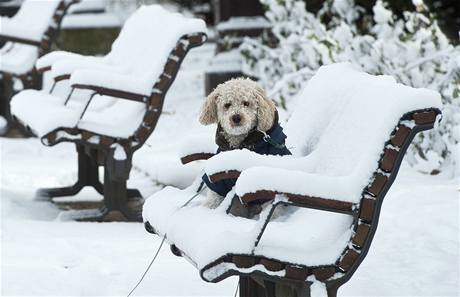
108,135
28,35
348,137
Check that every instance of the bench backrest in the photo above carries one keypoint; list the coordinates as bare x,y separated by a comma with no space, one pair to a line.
147,38
344,118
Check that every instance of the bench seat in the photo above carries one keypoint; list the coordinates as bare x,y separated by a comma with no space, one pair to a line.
32,104
107,116
298,236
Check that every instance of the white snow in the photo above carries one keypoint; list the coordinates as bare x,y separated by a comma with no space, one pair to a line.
88,5
198,143
238,23
31,21
229,61
337,133
43,112
417,242
91,20
17,58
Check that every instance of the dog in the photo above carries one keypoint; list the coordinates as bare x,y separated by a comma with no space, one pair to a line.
245,118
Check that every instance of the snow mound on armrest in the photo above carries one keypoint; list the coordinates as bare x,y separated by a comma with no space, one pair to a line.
297,182
49,59
196,144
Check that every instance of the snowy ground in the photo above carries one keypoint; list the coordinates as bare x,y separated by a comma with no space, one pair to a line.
415,251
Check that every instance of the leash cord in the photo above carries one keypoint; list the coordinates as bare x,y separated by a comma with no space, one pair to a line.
200,189
237,288
148,267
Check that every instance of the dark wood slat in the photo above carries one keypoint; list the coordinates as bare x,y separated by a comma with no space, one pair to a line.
224,175
195,157
400,137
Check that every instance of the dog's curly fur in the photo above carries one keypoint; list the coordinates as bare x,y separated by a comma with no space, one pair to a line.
239,106
239,99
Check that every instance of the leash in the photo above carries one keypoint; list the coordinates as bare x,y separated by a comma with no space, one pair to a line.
268,139
237,288
199,190
148,267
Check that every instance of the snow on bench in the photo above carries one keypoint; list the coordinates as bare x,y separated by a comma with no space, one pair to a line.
349,134
131,80
29,33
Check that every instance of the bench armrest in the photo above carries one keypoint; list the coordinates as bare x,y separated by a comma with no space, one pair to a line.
106,82
197,147
332,193
228,164
45,62
17,39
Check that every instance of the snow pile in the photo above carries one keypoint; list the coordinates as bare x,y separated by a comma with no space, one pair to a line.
327,133
31,21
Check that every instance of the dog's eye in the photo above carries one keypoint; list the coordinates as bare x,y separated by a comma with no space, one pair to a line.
227,105
246,103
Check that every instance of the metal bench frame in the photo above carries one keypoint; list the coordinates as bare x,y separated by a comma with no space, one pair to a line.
365,221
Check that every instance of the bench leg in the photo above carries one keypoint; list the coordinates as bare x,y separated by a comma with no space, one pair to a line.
332,291
88,175
255,287
121,203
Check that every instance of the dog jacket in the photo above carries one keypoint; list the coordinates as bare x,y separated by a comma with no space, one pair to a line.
255,142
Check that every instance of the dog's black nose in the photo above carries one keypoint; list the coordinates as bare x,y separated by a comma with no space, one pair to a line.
236,118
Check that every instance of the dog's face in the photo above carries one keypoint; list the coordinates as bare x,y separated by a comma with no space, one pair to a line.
239,106
236,109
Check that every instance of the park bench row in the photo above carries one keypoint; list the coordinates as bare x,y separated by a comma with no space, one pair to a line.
348,136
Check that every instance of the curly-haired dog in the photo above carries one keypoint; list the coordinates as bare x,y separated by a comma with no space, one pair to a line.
245,118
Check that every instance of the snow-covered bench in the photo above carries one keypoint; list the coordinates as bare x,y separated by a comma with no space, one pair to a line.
120,100
28,35
348,136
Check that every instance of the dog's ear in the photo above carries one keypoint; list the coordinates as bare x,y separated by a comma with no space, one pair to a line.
266,111
208,113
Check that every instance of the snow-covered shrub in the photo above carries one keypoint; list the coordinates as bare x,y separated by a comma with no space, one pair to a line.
412,49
